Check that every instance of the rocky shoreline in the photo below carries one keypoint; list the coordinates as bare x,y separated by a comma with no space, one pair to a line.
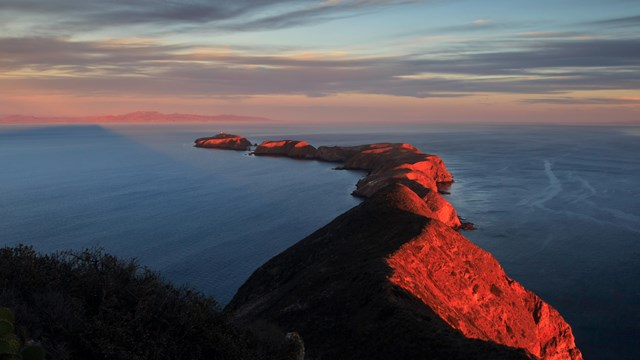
392,278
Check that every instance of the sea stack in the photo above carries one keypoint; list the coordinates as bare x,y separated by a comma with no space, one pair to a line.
224,141
392,278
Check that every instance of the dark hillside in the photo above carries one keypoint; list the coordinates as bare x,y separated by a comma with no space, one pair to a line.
92,305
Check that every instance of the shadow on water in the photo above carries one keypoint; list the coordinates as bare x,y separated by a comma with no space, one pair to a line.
205,217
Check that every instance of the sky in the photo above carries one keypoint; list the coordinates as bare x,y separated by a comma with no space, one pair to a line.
326,61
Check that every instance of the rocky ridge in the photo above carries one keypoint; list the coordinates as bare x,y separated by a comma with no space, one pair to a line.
393,279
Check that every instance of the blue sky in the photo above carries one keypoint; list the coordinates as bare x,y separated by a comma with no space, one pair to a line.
411,61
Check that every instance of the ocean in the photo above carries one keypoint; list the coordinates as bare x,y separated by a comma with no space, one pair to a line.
559,207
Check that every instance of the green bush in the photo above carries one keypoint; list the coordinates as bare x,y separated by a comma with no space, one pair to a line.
13,347
92,305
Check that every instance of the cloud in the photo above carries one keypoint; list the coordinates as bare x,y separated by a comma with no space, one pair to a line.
552,35
237,15
148,67
631,21
580,53
481,21
582,101
475,25
122,12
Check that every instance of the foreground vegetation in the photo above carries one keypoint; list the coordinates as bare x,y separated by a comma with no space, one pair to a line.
92,305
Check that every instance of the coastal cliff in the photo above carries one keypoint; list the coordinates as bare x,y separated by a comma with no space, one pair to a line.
393,279
387,163
289,148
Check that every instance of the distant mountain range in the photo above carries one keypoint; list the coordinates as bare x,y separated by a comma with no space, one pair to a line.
133,117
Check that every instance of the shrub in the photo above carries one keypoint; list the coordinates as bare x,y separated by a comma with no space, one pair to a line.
92,305
13,347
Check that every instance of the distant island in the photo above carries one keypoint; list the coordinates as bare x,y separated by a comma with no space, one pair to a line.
392,278
132,117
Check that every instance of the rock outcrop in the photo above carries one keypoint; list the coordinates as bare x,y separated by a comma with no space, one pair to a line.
396,163
469,290
387,163
289,148
224,141
393,279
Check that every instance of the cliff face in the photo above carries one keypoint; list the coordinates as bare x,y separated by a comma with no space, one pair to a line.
387,163
468,289
393,279
224,141
289,148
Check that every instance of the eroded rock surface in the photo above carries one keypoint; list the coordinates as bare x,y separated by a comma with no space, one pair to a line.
289,148
387,163
469,290
224,141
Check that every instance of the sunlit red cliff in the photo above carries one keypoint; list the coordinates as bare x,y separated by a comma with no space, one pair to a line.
392,278
224,141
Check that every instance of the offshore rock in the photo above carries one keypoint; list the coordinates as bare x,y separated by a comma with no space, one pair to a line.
224,141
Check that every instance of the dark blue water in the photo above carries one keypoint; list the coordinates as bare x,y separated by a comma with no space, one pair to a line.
559,207
204,217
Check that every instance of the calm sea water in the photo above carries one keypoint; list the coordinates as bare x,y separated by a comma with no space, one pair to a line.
559,207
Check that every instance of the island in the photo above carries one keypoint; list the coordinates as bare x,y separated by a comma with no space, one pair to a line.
393,278
132,117
223,141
